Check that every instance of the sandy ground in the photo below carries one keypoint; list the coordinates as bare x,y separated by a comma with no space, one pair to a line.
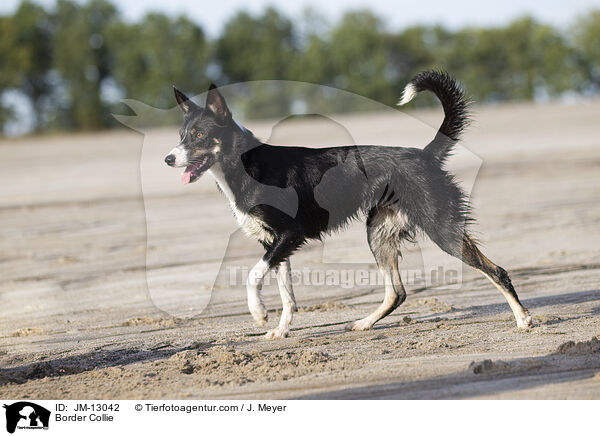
104,269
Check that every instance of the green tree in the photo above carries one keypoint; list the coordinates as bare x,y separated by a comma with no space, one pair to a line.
522,61
26,56
156,53
538,58
480,59
35,36
75,60
413,50
586,39
256,48
259,48
312,60
12,57
359,57
82,60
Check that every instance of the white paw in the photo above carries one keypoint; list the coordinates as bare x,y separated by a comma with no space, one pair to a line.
360,325
259,313
277,333
525,322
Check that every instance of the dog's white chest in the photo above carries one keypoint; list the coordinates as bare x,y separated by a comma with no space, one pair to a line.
251,226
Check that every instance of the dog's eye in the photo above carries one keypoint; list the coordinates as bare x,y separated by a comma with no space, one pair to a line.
199,135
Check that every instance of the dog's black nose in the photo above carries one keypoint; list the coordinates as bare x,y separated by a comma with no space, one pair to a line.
170,160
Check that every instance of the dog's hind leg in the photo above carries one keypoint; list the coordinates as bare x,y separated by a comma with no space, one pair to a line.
284,281
499,277
384,230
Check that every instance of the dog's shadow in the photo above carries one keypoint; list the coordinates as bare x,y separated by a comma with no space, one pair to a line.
93,360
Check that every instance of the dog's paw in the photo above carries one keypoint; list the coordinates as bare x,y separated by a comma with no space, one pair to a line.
259,313
260,318
277,333
525,322
359,325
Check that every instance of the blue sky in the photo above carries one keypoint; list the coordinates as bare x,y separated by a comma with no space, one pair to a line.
396,14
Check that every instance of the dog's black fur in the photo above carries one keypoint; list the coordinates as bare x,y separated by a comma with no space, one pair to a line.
400,190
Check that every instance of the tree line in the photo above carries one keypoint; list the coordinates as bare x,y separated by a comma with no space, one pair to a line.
74,62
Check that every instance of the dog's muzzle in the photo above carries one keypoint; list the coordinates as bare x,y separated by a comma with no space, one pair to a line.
177,157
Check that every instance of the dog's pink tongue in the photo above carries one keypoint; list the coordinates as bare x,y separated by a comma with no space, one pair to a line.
185,177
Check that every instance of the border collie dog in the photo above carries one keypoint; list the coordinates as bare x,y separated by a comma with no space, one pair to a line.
284,196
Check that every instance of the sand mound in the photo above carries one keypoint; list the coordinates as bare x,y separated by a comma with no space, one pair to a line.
29,331
585,347
222,365
160,322
491,367
323,307
431,303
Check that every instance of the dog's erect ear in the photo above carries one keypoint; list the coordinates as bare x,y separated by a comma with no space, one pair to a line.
216,104
183,101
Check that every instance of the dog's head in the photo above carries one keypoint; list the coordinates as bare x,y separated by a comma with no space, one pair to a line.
205,135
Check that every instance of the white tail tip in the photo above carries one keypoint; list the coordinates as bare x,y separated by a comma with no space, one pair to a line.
409,93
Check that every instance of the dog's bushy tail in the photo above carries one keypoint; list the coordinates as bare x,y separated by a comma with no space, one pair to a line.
454,102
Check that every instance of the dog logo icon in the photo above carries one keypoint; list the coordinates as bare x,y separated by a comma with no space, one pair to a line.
26,415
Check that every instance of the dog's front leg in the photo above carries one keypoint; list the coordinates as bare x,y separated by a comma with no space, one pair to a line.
278,252
253,287
284,281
